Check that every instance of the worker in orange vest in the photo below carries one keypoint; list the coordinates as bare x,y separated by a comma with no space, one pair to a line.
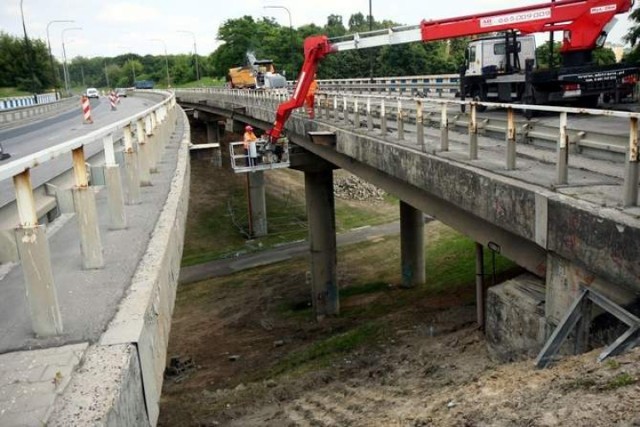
310,98
249,138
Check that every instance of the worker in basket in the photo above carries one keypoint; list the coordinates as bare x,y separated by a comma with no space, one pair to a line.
310,98
250,150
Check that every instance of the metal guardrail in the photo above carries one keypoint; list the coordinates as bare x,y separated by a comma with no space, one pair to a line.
16,116
340,108
32,245
27,101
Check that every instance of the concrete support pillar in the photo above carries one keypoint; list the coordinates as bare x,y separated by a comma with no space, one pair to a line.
257,204
152,143
411,246
383,119
213,136
473,134
117,217
143,155
90,242
33,249
369,116
480,290
131,168
322,239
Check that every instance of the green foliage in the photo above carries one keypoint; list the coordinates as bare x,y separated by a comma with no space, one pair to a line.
621,380
23,66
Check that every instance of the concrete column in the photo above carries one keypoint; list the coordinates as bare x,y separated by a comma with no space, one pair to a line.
257,204
322,239
33,249
131,168
118,219
90,242
143,155
152,143
411,246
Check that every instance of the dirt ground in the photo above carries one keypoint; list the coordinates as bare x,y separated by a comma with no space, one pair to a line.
247,352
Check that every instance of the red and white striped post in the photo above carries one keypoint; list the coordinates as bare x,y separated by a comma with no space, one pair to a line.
112,100
86,110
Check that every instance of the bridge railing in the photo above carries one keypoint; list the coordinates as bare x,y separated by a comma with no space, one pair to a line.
350,110
144,137
432,86
26,101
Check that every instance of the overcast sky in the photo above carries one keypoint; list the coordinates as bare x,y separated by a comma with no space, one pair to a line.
114,27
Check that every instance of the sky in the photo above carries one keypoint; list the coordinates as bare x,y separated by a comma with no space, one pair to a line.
111,28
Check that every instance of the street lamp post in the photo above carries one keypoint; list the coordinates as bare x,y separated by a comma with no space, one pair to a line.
195,51
290,33
65,70
53,71
166,59
30,57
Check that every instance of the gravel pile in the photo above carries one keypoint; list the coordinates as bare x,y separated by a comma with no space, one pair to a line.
353,188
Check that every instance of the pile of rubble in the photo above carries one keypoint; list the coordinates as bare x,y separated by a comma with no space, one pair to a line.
353,188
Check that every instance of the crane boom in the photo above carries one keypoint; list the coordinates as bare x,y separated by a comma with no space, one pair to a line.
582,22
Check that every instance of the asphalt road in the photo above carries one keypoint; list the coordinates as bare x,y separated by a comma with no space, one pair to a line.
39,135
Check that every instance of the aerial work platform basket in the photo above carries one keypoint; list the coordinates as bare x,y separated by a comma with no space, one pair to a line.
261,155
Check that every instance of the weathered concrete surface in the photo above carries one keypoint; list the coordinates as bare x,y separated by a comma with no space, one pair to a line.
515,323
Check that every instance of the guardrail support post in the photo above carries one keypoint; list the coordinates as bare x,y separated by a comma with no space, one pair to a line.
631,168
117,217
356,114
473,133
132,178
345,110
369,116
143,155
383,119
336,115
420,125
84,200
511,140
562,165
400,121
444,129
152,145
33,250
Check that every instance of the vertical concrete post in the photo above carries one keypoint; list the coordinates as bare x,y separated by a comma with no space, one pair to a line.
84,200
131,168
257,203
411,246
345,111
562,169
400,118
511,140
383,118
356,114
631,167
115,198
480,290
336,115
152,144
420,125
473,133
213,136
369,116
143,154
444,129
322,240
33,250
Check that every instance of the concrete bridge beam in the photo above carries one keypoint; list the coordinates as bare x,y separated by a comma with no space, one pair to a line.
322,239
412,246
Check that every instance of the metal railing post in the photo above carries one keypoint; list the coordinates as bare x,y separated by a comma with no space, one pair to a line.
631,168
473,133
35,257
511,140
115,199
336,115
345,110
84,200
420,125
444,129
562,165
369,115
356,114
400,120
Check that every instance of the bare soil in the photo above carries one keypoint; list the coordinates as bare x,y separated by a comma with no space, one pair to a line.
395,357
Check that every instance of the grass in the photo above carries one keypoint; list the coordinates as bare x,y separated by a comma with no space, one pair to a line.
8,92
621,380
204,81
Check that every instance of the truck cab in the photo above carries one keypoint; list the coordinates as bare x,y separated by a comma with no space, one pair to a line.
491,55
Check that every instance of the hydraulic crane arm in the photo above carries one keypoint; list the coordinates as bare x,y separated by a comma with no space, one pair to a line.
582,22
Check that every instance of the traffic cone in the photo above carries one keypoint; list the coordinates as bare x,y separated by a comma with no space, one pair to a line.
86,110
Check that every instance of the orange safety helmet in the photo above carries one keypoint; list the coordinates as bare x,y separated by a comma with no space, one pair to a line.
248,128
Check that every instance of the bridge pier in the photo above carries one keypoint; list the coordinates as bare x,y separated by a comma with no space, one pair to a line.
322,240
412,246
213,136
257,204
